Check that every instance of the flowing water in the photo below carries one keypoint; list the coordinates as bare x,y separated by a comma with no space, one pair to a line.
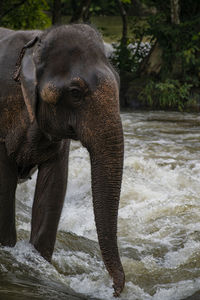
159,221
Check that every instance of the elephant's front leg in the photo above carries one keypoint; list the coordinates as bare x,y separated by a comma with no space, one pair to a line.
8,183
48,202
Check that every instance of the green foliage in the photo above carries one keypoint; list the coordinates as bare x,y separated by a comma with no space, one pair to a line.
97,7
128,56
30,15
188,8
122,58
166,95
180,43
139,28
126,1
102,7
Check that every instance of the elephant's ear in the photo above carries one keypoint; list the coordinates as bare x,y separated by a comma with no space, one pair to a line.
26,74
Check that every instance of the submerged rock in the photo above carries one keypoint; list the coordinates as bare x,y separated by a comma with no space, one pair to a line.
21,289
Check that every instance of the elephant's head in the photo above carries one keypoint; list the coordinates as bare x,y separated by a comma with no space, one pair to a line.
73,92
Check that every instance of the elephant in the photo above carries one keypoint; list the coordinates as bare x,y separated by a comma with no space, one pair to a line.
57,85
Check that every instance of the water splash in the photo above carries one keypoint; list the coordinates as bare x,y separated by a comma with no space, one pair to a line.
159,219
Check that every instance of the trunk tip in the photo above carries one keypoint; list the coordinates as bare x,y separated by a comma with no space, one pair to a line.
119,283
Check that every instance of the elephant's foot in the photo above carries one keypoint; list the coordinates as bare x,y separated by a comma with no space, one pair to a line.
42,245
45,253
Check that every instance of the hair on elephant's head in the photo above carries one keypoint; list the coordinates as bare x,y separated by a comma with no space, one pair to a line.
72,91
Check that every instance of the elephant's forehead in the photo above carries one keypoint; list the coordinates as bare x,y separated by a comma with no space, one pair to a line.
79,32
73,51
73,39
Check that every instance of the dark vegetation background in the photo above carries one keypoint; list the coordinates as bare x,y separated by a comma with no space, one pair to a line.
155,43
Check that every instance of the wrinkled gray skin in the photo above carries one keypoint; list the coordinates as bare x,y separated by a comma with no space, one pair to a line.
66,90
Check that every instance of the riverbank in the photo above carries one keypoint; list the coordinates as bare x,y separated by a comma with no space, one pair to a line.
134,97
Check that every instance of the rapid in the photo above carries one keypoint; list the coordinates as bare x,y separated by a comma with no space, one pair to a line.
158,225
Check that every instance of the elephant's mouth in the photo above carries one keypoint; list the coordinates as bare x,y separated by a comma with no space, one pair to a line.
71,134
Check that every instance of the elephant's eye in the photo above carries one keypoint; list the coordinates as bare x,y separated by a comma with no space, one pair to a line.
76,94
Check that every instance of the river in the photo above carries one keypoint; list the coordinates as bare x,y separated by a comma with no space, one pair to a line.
158,228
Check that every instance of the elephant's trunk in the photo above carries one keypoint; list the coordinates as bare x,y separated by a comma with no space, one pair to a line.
106,167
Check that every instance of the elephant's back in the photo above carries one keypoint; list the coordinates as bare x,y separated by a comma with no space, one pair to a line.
5,32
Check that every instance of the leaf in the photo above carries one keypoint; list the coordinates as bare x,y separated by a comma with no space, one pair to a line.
126,1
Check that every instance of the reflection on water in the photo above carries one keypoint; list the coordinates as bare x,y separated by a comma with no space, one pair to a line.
159,221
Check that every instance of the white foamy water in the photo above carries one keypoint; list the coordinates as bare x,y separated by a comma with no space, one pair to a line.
159,217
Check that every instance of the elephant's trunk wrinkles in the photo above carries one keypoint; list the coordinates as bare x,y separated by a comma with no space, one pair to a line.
106,166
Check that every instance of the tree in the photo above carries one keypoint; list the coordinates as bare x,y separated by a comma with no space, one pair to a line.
175,8
80,11
172,32
173,65
7,7
124,21
56,12
24,14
